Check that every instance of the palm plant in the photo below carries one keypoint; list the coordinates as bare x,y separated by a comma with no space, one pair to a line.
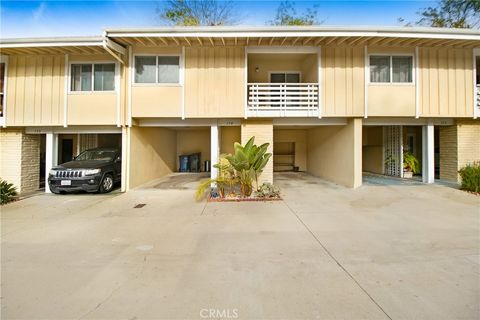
226,179
249,161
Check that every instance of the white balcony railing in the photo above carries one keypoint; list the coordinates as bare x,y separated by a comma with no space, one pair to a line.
283,100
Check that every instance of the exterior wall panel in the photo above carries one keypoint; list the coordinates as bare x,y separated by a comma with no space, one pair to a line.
35,90
262,130
343,81
214,82
92,109
446,82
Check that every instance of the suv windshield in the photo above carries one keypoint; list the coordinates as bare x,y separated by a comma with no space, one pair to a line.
98,155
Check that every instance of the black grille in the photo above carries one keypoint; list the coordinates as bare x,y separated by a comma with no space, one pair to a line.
69,174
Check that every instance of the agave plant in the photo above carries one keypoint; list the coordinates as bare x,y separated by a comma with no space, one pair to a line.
8,192
249,161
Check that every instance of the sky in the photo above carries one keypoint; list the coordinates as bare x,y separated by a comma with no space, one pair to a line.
89,18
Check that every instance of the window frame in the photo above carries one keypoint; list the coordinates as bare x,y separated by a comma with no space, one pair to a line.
156,83
3,94
391,55
93,63
285,73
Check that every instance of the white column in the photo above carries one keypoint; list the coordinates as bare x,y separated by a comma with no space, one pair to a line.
214,149
428,163
51,155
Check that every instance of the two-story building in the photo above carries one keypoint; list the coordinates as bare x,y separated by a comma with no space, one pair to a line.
331,101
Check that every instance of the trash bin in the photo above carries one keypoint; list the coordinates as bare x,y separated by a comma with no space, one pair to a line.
194,162
206,166
184,163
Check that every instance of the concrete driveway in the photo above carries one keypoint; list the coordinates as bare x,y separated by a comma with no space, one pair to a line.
326,252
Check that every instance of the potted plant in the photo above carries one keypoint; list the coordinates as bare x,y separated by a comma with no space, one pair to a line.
411,165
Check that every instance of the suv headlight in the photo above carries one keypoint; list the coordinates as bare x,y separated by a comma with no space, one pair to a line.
89,172
52,172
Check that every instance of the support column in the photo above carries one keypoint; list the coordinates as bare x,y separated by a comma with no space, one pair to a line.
125,158
214,149
51,156
428,163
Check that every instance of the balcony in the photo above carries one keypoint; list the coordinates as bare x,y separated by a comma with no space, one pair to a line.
283,84
282,100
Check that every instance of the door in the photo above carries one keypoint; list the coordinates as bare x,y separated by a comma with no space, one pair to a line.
67,150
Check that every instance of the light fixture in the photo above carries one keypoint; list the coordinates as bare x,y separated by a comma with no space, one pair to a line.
257,69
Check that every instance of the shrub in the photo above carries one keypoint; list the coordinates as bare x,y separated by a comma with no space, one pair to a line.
470,175
8,192
267,190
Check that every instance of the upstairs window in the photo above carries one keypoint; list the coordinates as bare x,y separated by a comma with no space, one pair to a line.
391,69
157,69
93,77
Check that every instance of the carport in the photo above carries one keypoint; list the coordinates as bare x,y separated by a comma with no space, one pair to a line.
59,145
326,148
155,147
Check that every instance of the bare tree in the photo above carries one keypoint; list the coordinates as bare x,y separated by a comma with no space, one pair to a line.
197,12
287,15
449,14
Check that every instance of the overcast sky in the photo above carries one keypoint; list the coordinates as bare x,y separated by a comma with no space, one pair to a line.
86,18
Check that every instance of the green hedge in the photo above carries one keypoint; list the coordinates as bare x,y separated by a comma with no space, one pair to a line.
470,175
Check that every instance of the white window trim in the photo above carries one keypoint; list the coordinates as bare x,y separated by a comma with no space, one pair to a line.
284,72
4,59
391,83
181,76
92,63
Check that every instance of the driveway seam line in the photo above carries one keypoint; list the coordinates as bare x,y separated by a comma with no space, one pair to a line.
336,261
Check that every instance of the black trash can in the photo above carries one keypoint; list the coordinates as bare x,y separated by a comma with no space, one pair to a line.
184,163
194,162
206,166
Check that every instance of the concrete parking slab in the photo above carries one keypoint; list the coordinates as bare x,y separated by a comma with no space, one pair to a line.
377,252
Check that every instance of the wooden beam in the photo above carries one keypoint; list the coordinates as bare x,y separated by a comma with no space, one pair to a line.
319,40
295,41
165,42
283,41
141,41
223,41
176,41
187,41
342,40
236,40
259,41
307,40
246,41
375,41
151,41
271,41
211,41
331,40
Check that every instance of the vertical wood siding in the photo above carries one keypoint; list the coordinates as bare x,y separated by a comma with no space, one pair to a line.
446,82
343,81
35,90
214,82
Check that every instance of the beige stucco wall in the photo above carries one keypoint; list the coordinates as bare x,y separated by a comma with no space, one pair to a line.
343,81
372,149
228,136
92,109
299,137
391,100
20,159
192,141
335,153
214,82
446,82
152,154
262,130
35,90
156,101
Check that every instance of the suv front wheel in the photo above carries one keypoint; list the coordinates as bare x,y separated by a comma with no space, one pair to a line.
107,184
